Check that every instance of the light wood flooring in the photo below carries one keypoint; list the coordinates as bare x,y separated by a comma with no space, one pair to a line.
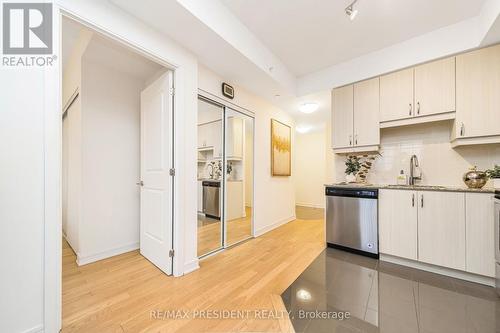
119,294
209,232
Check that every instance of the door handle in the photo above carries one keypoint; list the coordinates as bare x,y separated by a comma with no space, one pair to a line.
422,201
413,200
140,183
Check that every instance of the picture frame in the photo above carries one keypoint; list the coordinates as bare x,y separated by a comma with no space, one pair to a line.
281,149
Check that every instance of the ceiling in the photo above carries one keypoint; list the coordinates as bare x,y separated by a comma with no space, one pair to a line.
309,35
107,52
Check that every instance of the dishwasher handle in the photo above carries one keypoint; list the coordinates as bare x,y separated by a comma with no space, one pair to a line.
365,193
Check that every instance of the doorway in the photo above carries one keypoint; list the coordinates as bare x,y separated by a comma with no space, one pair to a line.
225,167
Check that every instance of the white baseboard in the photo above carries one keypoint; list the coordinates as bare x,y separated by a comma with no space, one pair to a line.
261,231
489,281
36,329
310,205
87,259
191,266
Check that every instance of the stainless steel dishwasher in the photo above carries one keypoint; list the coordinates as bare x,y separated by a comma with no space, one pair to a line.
211,198
352,220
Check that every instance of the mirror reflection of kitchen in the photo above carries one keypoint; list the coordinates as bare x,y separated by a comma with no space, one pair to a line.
210,169
239,176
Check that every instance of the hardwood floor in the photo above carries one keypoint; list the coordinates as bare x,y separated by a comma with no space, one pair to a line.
120,294
209,232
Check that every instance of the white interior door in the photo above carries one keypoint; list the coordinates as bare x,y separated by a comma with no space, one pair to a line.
156,161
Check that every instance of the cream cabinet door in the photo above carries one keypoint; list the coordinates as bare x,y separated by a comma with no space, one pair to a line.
478,97
366,113
435,87
398,223
234,137
479,228
396,95
441,228
342,117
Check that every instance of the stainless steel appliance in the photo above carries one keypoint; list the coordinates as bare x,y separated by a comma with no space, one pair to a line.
352,219
497,239
211,198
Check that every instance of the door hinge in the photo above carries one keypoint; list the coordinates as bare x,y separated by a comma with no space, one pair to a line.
171,253
172,91
172,172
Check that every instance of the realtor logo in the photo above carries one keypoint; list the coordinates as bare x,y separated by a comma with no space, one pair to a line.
27,28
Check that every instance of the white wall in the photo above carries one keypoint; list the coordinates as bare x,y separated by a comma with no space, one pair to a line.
110,162
440,164
274,196
72,137
310,168
30,191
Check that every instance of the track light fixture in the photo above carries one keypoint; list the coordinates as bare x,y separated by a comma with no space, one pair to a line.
350,11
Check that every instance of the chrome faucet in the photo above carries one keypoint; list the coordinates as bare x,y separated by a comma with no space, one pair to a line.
413,165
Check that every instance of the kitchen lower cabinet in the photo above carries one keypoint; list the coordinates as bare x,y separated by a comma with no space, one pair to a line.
398,223
479,228
441,228
448,229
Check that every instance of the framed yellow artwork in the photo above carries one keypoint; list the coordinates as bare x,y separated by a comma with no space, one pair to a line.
281,149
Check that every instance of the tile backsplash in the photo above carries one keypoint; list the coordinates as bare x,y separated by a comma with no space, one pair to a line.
439,162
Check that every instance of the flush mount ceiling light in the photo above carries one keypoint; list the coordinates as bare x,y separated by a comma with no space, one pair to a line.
350,11
303,129
308,107
304,295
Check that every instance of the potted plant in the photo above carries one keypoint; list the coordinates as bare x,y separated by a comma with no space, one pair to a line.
495,175
353,165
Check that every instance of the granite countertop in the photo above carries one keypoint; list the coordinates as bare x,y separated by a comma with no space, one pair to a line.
414,187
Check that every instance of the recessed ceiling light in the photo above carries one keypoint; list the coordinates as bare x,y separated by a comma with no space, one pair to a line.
308,107
303,129
303,295
350,11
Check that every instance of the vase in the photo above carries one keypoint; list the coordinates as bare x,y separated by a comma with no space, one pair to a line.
350,178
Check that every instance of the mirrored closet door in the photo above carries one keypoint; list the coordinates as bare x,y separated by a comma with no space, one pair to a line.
210,176
225,176
239,131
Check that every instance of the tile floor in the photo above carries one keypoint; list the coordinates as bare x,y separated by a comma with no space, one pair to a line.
384,297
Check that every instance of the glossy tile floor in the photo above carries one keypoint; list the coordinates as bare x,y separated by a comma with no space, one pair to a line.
383,297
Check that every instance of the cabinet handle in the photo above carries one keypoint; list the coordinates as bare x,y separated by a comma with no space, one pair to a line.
409,111
422,201
418,107
462,130
350,140
413,200
356,139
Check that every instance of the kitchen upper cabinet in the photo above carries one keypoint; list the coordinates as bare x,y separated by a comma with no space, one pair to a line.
210,137
398,223
396,95
366,113
355,117
478,97
342,116
441,228
479,228
435,87
235,138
